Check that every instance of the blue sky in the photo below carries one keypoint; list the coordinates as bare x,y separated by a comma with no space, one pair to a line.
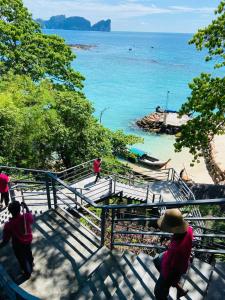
133,15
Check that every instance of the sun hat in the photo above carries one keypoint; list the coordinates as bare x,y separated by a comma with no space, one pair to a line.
172,221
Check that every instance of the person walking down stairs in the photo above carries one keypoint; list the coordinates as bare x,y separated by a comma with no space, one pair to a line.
97,168
18,228
4,188
174,262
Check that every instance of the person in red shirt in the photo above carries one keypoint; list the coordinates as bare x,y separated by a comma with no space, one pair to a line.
4,188
97,168
19,230
174,262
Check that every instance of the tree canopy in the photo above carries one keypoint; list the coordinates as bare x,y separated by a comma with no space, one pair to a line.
25,50
207,99
42,127
45,119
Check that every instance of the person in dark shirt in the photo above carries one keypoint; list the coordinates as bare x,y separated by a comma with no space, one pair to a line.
174,262
19,230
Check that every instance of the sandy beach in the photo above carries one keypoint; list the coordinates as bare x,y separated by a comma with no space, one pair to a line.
198,173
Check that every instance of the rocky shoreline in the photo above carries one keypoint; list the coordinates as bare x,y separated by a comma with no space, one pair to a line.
81,46
161,122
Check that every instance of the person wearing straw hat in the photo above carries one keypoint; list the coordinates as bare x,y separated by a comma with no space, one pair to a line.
174,262
18,228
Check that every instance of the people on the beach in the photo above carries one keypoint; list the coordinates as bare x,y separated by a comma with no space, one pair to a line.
174,262
97,168
4,188
18,229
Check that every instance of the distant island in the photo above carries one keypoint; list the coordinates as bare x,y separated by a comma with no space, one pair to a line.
74,23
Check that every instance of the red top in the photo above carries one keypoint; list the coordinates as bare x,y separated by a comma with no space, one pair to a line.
96,166
4,179
15,229
175,260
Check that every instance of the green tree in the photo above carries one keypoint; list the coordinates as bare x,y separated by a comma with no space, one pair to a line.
40,126
25,50
207,99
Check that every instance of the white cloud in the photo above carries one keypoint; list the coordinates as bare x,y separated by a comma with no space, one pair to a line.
186,9
94,10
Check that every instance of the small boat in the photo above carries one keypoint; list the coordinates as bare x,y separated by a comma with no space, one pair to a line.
157,164
147,160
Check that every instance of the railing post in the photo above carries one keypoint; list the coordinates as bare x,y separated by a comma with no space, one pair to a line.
11,192
153,198
168,176
112,230
48,191
111,186
103,221
147,193
54,193
114,184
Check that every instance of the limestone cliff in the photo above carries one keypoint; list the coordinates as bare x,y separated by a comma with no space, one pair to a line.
74,23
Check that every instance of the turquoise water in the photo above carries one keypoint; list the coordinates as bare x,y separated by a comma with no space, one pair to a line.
130,84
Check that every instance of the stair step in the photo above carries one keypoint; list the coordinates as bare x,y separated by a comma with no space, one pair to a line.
146,277
119,272
67,240
94,262
61,247
216,289
95,286
197,280
127,289
73,222
71,236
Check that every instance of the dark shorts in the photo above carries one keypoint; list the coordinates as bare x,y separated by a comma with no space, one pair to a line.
162,286
5,197
24,256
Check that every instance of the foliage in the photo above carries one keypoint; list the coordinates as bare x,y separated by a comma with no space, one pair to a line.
25,50
213,37
40,125
207,100
120,141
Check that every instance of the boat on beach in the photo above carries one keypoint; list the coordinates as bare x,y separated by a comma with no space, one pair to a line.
147,160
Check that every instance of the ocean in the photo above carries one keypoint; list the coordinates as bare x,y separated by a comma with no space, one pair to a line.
128,74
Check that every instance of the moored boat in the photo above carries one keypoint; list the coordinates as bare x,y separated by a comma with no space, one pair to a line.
147,160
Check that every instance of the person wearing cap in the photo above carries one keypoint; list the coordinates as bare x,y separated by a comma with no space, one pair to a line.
18,228
174,262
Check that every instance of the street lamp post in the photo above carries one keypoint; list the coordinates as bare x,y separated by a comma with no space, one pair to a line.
101,114
166,106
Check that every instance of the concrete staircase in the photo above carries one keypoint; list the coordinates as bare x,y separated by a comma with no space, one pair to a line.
70,264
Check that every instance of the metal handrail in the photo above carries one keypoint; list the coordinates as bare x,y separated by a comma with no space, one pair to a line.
165,234
171,204
185,218
184,185
149,246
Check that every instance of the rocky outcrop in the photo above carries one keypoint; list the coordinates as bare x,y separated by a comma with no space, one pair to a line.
155,123
81,46
102,26
74,23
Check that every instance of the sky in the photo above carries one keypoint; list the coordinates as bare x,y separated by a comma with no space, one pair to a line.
133,15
